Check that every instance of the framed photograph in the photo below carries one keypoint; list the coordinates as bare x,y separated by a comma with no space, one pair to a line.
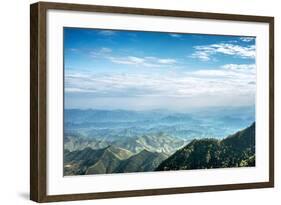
134,102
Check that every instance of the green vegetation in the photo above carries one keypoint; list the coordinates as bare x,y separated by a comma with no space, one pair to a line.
153,153
141,162
237,150
109,160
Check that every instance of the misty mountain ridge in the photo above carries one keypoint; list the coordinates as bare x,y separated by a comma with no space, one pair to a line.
236,150
155,143
121,141
118,123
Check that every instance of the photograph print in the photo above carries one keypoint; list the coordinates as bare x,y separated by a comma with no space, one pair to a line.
145,101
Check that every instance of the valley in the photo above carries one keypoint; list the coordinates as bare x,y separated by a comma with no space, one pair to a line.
120,141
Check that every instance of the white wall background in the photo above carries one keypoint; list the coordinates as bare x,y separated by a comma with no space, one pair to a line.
14,101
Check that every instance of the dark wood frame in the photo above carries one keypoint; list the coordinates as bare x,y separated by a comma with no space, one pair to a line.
38,87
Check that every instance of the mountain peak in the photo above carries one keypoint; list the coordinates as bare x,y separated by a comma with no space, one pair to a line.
234,151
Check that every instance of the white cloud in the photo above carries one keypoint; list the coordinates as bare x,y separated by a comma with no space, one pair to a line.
205,53
239,74
105,50
247,39
100,53
175,35
167,61
147,61
107,33
74,49
201,55
221,86
240,67
130,60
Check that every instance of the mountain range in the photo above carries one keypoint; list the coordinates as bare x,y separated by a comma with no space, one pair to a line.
237,150
110,160
110,125
145,153
158,142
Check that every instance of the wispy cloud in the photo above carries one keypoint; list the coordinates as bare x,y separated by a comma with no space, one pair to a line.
73,49
101,52
231,80
249,68
175,35
201,54
146,61
240,73
134,65
107,32
206,52
247,39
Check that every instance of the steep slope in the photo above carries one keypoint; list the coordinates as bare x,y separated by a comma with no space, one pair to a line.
141,162
109,160
239,148
106,163
120,153
234,151
77,162
90,161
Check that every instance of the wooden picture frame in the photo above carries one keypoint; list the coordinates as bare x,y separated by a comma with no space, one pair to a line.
38,100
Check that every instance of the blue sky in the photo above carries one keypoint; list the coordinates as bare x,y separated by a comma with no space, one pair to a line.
106,69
